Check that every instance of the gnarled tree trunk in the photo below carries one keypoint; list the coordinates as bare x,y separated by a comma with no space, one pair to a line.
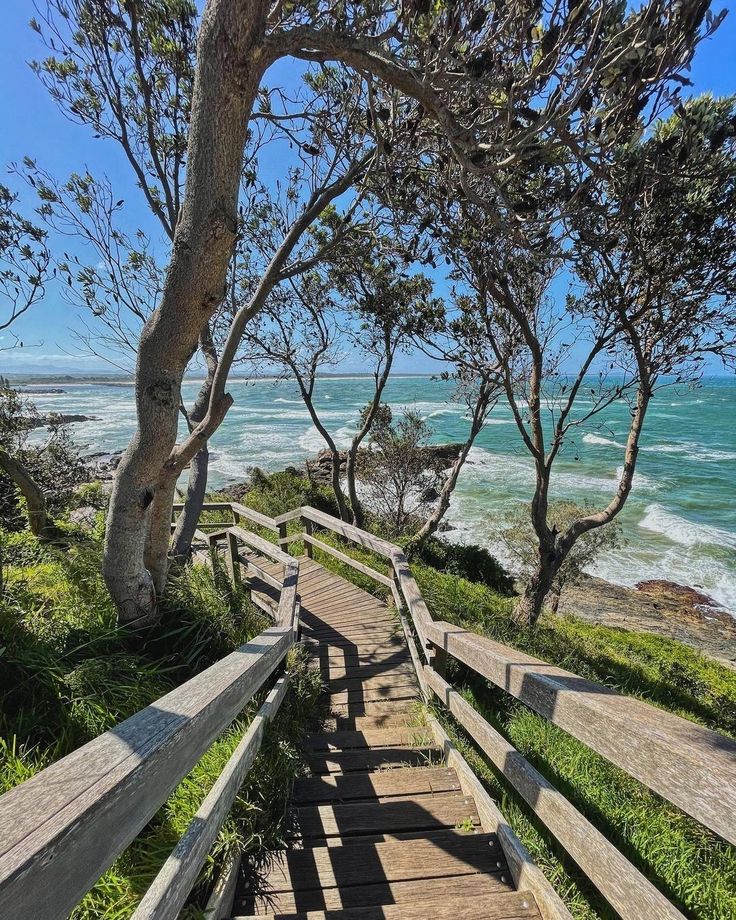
30,490
231,63
194,498
480,413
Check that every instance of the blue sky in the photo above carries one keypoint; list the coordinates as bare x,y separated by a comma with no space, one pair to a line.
31,125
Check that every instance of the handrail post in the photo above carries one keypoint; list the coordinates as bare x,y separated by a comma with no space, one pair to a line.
233,562
437,658
283,542
309,531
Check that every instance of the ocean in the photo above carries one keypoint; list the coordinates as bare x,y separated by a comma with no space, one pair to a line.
679,522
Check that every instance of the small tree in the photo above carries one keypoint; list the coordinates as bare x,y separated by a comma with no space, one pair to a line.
401,477
649,265
45,474
523,543
24,260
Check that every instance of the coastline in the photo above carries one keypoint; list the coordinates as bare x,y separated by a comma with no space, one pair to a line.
662,608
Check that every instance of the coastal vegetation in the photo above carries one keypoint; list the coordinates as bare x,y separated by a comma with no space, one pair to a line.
465,586
539,208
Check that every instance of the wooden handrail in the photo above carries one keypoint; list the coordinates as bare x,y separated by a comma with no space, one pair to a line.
65,826
687,764
629,892
169,890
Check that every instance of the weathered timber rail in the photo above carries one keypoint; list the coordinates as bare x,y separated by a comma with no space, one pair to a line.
64,827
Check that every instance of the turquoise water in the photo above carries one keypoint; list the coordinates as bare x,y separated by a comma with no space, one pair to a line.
679,522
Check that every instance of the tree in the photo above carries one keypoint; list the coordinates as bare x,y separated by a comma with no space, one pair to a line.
459,339
24,260
439,64
45,473
522,540
650,279
402,478
24,269
359,303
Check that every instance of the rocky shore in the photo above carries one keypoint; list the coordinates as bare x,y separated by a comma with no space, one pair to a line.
438,456
660,607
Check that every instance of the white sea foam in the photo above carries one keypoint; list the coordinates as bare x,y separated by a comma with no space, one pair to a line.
600,441
684,565
641,482
692,451
658,519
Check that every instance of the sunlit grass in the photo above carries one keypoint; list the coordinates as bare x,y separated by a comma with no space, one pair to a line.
68,673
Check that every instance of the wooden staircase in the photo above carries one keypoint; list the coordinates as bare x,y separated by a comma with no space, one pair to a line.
390,820
382,828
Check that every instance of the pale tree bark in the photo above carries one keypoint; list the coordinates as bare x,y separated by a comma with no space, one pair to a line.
481,408
230,67
356,506
194,498
554,550
30,490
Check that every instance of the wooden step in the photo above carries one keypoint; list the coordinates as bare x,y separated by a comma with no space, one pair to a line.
477,904
339,671
400,815
349,657
361,875
371,759
418,736
375,707
356,681
360,616
383,785
388,717
381,647
405,691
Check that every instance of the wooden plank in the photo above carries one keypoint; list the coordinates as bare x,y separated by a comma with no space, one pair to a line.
386,626
428,892
468,905
689,765
346,697
367,646
370,759
255,516
329,867
348,560
169,890
386,717
263,546
355,679
526,874
64,827
287,608
625,888
361,537
412,595
337,674
418,782
261,572
397,816
220,902
418,736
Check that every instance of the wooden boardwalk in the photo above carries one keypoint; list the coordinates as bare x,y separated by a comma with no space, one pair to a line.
382,828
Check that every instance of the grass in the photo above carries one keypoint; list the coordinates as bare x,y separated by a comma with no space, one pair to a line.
68,673
693,867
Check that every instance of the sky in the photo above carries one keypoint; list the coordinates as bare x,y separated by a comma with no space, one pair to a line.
31,125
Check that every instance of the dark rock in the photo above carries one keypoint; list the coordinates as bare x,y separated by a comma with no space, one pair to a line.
660,607
84,517
59,418
438,457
